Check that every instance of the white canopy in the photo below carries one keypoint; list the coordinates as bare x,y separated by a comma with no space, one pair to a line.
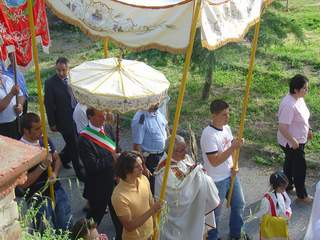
118,85
162,24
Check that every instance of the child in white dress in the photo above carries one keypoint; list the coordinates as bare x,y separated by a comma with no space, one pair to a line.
277,196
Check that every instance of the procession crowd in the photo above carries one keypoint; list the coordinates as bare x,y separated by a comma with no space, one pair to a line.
127,184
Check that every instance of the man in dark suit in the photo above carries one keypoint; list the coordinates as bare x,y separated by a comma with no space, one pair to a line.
60,103
97,152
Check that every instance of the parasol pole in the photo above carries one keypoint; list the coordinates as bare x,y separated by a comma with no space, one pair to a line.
117,132
106,55
182,88
244,108
106,47
39,88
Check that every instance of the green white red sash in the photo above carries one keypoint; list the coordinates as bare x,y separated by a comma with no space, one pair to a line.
98,138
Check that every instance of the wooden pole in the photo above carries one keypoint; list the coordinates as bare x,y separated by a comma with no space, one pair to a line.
244,108
39,88
182,88
14,65
106,47
117,132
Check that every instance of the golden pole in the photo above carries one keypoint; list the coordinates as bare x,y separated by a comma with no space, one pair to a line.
178,108
39,88
106,47
244,107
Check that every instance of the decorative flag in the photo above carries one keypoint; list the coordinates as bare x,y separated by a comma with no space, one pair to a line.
15,32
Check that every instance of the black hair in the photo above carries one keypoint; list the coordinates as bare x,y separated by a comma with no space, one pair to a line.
125,163
218,106
278,179
81,228
90,112
297,83
62,60
27,120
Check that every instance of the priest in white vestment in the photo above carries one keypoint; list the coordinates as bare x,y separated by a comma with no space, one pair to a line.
191,196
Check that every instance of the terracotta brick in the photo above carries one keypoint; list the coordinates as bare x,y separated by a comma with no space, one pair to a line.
16,158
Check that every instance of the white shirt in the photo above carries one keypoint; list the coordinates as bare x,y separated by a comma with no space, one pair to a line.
80,117
215,140
35,144
95,128
8,114
282,203
295,113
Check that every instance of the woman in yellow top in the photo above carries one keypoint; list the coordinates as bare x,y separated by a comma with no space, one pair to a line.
132,198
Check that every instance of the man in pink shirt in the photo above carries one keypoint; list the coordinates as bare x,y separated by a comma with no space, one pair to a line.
293,133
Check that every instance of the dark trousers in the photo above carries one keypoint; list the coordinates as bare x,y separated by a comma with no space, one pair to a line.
295,169
97,210
151,163
70,151
10,129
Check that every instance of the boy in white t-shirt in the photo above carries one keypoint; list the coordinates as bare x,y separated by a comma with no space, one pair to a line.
218,145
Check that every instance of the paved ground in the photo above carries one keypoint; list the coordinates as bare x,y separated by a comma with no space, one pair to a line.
254,180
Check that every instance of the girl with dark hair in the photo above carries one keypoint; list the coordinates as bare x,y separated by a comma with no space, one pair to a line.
275,210
86,229
293,133
278,196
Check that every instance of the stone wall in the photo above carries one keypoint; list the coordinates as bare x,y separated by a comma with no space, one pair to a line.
15,160
9,225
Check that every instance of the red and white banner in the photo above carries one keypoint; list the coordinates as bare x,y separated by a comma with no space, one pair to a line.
15,32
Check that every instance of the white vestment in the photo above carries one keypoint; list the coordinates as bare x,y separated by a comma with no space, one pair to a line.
191,196
313,230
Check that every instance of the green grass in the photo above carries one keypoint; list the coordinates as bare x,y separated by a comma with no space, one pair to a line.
274,66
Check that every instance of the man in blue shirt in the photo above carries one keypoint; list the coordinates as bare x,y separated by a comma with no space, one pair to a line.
20,80
149,133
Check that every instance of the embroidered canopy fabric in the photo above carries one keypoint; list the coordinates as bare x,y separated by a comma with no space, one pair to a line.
118,85
15,32
162,24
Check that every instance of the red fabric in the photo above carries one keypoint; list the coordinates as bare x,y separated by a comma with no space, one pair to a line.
15,31
272,206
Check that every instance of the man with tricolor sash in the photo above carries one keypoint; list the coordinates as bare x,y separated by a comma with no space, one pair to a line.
97,151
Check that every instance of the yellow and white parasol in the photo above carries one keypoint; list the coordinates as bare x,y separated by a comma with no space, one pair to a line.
118,85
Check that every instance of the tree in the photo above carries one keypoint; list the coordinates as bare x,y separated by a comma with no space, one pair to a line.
204,61
275,28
